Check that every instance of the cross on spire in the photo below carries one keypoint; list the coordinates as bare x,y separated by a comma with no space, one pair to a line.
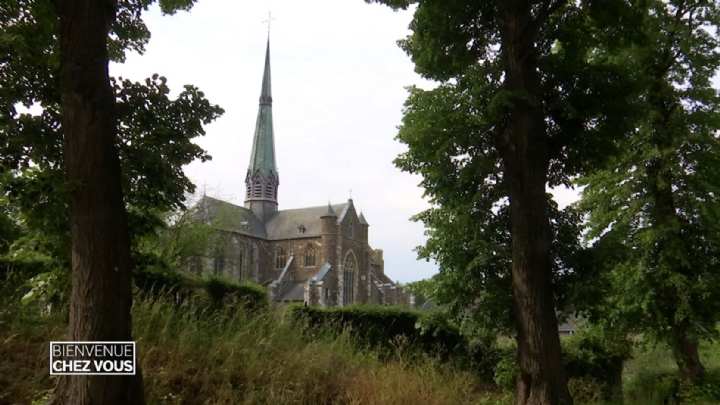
268,21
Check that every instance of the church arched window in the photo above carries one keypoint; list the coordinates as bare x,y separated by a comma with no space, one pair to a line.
349,268
241,263
219,263
310,255
280,258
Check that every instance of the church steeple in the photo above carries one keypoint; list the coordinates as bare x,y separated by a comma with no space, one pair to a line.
262,178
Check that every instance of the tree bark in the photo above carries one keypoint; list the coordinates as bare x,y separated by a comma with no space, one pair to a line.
687,357
524,147
101,295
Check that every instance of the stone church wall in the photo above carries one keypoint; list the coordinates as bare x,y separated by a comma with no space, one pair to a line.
297,248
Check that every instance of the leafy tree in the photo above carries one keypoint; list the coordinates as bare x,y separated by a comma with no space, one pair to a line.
654,209
530,95
423,290
101,297
60,161
186,237
155,132
475,274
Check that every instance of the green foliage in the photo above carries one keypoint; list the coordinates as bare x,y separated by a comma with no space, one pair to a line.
389,329
474,253
384,326
256,358
453,133
184,237
47,290
667,388
506,370
593,360
14,275
653,211
423,290
155,281
155,131
596,358
224,292
650,376
158,280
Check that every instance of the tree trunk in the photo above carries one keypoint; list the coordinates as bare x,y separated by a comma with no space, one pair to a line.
541,379
685,351
524,148
667,224
101,295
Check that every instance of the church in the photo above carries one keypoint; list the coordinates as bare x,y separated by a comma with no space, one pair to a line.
315,255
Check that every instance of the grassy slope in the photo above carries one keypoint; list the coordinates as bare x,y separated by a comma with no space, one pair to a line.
194,356
650,376
190,356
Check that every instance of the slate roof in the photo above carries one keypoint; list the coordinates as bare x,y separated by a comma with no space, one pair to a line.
284,224
295,293
324,270
230,217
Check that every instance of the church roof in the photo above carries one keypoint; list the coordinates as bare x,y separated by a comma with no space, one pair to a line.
262,157
230,217
284,224
298,223
330,212
295,293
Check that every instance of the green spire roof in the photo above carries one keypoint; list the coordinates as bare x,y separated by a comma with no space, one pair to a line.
262,157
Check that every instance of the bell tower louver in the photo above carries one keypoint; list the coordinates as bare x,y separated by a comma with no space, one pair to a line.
262,177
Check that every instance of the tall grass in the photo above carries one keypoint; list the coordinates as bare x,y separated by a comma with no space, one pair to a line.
651,377
193,355
190,354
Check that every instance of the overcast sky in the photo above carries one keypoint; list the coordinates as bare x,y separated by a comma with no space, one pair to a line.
338,89
338,81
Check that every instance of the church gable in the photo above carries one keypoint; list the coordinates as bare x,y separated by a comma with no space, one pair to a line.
350,222
298,223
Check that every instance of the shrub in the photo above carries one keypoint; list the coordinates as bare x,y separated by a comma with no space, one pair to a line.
506,369
593,362
224,292
596,355
15,273
256,358
156,281
40,284
390,330
666,387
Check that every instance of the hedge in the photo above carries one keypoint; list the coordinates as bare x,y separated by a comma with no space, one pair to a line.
218,292
382,327
388,329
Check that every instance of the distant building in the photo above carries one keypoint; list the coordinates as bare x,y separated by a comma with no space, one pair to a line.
568,325
317,255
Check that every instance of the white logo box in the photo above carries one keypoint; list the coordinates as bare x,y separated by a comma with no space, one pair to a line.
92,365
